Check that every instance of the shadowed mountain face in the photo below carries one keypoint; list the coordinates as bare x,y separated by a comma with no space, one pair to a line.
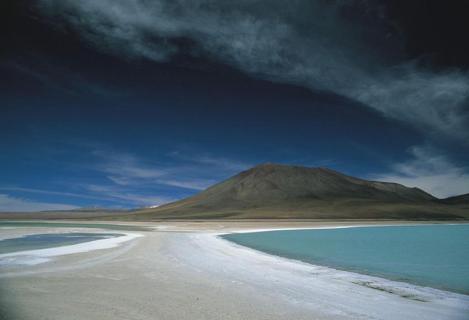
281,191
461,199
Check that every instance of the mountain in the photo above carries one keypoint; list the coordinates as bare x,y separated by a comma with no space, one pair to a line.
282,191
461,199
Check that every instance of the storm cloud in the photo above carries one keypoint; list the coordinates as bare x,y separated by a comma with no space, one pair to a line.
345,47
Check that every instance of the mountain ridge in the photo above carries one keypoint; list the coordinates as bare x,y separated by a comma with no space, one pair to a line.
278,191
459,199
283,191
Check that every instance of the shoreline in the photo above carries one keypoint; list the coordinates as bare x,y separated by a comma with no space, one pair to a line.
38,256
409,224
382,281
348,281
385,282
187,271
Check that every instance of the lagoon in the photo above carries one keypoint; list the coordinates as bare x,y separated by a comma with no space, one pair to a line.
428,255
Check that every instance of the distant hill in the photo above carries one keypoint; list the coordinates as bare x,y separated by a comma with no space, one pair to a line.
282,191
462,199
81,213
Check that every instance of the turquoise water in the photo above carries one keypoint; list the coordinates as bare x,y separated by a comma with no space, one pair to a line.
50,240
431,255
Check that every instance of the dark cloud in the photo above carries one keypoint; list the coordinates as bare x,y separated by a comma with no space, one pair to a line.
349,48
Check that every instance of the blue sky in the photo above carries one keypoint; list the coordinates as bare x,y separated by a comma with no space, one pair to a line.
134,123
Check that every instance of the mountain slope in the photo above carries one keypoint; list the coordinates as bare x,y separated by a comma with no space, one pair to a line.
281,191
461,199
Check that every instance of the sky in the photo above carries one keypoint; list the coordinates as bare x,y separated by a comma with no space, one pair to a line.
130,103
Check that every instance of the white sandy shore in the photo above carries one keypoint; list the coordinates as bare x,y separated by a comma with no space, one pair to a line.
334,287
175,274
324,227
33,257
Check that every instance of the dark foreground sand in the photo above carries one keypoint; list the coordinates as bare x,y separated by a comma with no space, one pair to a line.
183,271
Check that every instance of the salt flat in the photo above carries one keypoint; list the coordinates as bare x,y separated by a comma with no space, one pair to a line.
184,271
